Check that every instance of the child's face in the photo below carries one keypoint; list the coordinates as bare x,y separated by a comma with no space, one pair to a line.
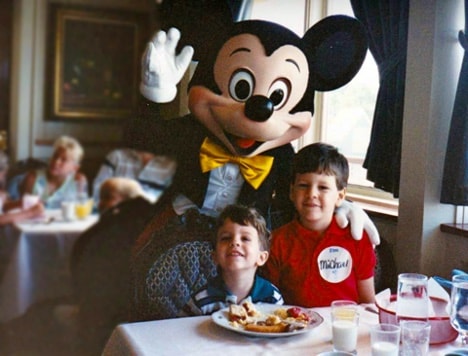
62,163
315,197
238,247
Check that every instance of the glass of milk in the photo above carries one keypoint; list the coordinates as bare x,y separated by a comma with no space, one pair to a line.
345,322
385,339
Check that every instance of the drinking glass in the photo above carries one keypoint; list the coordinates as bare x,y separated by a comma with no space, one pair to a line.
412,297
459,306
415,336
385,339
345,319
83,207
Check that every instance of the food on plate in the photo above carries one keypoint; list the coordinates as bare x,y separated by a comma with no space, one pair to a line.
237,313
248,317
263,328
250,309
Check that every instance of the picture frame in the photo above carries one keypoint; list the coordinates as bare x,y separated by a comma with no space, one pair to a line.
94,63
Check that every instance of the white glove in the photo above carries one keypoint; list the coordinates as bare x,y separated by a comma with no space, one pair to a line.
349,212
162,70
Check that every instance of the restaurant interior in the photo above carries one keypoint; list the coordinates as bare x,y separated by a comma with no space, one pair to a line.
421,233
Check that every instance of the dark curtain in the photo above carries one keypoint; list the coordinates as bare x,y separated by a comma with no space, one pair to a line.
387,28
455,179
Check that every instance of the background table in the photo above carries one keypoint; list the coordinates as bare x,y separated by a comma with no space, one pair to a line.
38,261
201,336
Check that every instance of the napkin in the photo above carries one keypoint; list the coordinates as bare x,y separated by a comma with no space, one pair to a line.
440,300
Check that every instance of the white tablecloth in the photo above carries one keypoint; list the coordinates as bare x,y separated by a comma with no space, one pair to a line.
201,336
38,266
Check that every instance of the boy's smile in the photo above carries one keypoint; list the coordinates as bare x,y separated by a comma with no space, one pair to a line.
238,247
315,197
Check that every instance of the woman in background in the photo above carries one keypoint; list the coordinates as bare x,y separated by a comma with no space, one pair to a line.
62,179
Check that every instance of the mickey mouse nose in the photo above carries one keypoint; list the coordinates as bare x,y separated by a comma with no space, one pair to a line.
258,108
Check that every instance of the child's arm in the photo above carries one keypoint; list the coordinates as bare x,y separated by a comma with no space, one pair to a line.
30,213
366,290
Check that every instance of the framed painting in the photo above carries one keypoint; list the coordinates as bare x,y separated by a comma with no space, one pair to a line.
94,63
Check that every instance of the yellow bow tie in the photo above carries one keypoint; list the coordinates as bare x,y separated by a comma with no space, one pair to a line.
253,169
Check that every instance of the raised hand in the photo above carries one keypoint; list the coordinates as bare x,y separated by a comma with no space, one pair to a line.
162,69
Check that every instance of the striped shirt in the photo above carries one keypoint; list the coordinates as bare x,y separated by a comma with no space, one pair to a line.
154,176
215,296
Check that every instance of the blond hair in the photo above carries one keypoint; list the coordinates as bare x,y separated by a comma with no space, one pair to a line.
71,146
127,188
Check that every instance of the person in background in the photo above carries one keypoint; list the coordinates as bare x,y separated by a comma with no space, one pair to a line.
241,246
136,159
12,212
312,260
116,190
153,173
62,179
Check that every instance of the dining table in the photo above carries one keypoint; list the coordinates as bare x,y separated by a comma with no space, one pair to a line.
37,261
200,335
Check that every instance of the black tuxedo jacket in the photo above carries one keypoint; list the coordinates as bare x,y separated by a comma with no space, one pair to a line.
181,138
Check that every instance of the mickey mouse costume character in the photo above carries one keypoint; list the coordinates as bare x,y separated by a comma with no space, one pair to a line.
251,95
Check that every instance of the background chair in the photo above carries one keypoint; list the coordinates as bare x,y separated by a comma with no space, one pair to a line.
175,275
385,275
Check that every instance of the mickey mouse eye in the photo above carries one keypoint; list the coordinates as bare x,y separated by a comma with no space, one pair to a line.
279,93
241,85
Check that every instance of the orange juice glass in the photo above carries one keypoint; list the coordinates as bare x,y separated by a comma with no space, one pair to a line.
83,208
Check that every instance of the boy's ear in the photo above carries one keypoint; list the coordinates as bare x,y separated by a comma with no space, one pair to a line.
291,187
341,197
262,258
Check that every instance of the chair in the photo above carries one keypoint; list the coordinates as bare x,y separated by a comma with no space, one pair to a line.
175,275
385,275
172,263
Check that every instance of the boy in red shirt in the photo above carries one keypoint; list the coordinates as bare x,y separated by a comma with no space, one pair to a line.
312,260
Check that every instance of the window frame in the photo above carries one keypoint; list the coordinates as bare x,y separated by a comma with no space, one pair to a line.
368,197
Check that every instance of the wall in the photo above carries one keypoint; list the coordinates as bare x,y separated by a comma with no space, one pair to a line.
31,135
433,66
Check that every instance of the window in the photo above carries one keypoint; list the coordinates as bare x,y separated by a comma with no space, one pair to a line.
342,117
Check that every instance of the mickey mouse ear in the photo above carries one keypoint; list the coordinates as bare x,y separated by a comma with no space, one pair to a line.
337,46
197,21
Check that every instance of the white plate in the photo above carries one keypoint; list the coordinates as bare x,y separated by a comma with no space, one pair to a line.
221,318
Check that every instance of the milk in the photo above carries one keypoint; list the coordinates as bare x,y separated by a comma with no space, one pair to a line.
412,308
383,348
344,335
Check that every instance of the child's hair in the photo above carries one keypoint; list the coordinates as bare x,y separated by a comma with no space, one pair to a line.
322,158
127,188
71,145
244,215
